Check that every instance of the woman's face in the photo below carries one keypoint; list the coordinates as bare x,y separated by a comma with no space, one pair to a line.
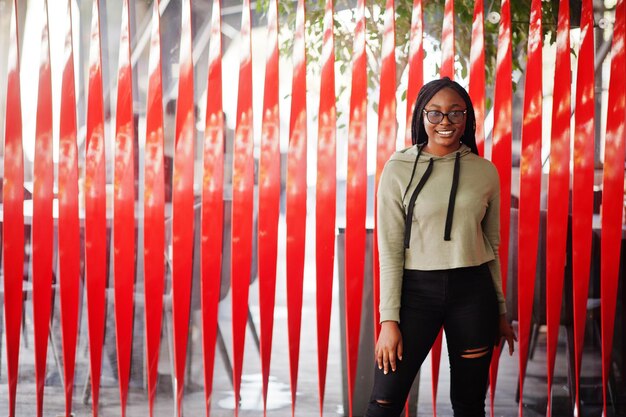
444,137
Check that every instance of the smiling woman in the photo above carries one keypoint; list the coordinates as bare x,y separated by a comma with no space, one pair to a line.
426,281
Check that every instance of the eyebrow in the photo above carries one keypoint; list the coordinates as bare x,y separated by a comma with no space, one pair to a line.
453,105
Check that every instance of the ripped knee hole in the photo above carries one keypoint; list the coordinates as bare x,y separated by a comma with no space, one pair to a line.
475,353
383,403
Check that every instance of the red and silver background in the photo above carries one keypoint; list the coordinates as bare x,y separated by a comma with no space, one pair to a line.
194,176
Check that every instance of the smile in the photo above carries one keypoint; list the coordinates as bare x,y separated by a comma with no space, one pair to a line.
445,132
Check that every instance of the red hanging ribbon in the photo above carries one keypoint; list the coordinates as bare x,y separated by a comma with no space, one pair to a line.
582,189
447,70
477,73
416,66
154,214
296,199
356,199
387,130
558,191
43,233
447,41
269,197
182,204
69,232
325,198
212,203
501,156
530,189
612,193
95,210
13,215
243,187
123,208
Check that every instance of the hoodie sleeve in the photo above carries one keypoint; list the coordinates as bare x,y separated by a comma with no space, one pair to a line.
491,229
390,230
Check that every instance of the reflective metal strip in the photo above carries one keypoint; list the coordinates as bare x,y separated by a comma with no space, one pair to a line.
613,197
154,214
13,221
530,189
356,193
501,155
558,191
325,198
42,225
416,65
243,186
69,232
212,203
582,188
296,199
123,210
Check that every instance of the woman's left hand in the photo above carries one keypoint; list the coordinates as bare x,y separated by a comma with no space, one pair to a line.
505,331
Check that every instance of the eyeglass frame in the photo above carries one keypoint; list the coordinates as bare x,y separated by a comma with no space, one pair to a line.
426,112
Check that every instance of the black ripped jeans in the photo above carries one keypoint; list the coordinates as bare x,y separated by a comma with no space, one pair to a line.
464,302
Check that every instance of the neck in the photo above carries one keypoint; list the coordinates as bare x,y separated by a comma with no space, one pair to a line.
441,151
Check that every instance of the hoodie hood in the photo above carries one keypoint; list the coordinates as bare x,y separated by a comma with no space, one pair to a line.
409,154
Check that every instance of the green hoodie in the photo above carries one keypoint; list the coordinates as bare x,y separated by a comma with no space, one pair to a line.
475,220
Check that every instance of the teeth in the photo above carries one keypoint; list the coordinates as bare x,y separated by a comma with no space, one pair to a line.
445,132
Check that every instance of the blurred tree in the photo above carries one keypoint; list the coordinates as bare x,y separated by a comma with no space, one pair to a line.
433,21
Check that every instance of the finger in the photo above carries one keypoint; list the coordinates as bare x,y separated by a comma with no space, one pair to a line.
386,361
400,350
379,358
392,360
510,340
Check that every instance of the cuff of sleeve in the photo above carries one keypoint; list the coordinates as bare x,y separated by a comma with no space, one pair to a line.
391,314
502,307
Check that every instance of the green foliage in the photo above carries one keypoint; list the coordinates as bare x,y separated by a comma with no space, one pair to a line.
433,21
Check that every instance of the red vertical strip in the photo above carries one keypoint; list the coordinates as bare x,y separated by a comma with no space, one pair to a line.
42,215
182,204
530,189
558,190
95,210
269,196
435,357
501,155
123,205
582,189
447,41
13,221
325,198
387,130
212,202
416,66
356,198
296,199
447,70
243,188
69,233
613,197
477,73
154,215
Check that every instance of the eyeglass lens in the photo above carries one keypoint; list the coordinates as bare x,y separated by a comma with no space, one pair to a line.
435,116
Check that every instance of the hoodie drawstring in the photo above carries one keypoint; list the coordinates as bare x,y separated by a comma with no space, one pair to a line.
455,184
409,215
408,222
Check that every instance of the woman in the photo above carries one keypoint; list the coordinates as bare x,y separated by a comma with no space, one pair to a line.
438,238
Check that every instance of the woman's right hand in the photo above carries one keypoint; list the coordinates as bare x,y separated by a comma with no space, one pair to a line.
389,346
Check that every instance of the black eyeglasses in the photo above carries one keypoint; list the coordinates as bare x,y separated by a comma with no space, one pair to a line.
436,117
